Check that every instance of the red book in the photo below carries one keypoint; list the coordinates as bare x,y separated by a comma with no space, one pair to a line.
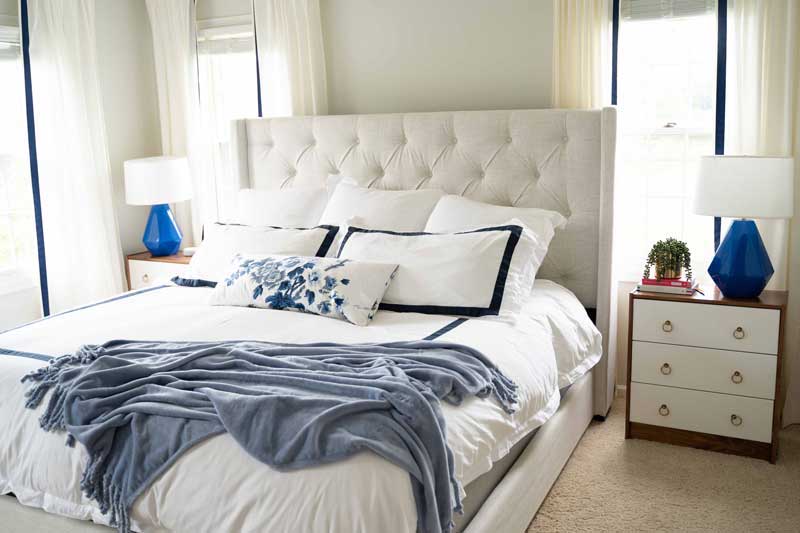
667,282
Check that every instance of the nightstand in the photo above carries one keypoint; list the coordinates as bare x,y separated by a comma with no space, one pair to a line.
144,270
705,371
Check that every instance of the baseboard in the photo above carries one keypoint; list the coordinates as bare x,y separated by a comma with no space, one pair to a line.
621,391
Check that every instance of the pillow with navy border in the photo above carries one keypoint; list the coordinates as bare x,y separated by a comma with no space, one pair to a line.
482,272
337,288
221,242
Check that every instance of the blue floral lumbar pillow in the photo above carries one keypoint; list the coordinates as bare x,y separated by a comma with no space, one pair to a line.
337,288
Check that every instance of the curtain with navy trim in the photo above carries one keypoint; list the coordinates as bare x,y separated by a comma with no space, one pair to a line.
291,58
78,223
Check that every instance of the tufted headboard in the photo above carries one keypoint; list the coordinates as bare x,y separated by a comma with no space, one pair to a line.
555,159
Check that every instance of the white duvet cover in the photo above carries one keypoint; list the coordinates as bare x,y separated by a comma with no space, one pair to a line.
216,486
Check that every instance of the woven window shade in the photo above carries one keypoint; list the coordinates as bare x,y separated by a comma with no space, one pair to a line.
657,9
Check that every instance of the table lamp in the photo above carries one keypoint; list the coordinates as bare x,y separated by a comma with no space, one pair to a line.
744,186
158,181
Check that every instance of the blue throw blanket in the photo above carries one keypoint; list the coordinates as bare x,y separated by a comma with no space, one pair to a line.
136,406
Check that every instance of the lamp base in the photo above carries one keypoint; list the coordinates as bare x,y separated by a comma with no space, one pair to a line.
741,267
162,235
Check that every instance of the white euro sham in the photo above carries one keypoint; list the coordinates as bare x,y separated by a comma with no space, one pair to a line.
288,208
456,213
379,209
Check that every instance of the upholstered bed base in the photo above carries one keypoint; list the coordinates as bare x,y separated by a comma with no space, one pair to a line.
507,497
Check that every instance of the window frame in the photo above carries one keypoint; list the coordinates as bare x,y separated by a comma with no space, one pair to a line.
719,123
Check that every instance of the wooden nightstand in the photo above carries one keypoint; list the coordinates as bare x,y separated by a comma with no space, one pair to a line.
705,371
144,270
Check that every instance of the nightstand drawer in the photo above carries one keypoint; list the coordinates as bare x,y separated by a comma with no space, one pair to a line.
724,327
148,273
705,412
744,374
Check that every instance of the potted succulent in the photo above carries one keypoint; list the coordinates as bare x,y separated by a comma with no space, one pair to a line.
669,257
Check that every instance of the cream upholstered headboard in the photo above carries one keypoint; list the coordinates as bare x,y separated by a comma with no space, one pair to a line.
555,159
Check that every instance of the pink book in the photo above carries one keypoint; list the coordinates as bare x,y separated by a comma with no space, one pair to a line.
667,282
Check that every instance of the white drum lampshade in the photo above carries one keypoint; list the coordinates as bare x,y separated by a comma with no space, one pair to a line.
744,186
157,180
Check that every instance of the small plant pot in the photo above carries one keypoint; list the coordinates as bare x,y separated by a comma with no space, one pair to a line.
670,258
669,273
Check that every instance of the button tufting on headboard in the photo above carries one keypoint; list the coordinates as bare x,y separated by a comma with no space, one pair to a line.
545,158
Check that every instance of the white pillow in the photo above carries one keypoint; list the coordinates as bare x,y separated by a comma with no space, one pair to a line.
222,241
336,288
456,213
288,208
482,272
391,210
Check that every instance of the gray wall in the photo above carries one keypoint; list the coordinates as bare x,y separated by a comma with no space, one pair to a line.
8,7
422,55
130,102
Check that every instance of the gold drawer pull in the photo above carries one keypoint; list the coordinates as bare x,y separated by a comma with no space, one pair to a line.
667,326
666,369
736,420
737,377
664,410
738,333
145,278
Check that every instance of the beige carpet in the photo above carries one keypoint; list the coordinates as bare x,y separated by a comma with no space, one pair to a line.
611,484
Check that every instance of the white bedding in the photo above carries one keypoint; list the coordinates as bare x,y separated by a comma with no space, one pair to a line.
216,486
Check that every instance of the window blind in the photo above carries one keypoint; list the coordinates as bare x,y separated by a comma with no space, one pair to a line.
657,9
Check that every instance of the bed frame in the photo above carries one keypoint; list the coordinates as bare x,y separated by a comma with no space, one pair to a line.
556,159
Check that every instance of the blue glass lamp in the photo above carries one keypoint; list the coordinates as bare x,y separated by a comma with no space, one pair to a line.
158,182
744,186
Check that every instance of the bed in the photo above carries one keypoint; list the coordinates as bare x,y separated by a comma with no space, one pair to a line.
555,159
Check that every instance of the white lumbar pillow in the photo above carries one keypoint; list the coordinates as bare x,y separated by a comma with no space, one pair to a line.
223,241
390,210
456,213
289,208
482,272
336,288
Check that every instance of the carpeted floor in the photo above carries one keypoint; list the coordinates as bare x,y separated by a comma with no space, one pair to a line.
611,484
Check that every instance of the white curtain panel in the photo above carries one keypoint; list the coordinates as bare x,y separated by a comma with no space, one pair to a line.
84,257
760,86
174,48
762,117
581,53
291,57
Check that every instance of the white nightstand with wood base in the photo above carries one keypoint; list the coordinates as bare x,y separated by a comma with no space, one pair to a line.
144,270
705,371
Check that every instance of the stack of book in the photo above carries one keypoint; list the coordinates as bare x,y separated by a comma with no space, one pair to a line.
672,286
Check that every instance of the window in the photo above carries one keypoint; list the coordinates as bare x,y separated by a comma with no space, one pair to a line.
18,252
228,90
666,96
